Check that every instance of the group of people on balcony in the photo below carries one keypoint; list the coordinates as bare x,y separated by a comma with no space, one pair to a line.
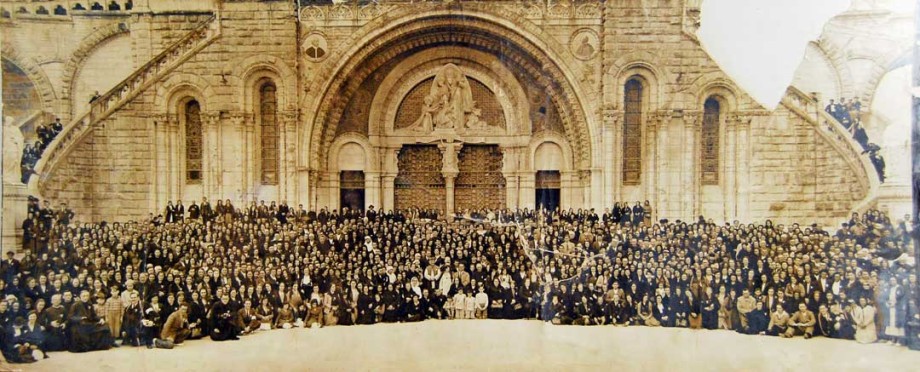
32,152
848,113
233,271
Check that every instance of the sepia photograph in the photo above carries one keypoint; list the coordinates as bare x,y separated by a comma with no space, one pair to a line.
440,185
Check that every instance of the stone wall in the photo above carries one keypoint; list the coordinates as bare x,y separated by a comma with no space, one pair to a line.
771,166
796,175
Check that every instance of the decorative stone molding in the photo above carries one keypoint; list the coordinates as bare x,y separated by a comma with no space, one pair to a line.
534,10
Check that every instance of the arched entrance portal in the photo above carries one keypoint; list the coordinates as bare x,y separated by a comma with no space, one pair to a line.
452,106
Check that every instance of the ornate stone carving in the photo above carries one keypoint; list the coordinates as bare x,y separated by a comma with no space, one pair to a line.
449,104
449,152
584,44
211,119
315,47
693,119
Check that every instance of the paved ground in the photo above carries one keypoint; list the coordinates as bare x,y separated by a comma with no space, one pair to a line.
494,345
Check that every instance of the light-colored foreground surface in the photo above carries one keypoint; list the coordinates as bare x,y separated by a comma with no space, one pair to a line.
494,345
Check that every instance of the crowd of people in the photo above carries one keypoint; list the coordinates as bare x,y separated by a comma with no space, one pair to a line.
849,114
222,272
31,152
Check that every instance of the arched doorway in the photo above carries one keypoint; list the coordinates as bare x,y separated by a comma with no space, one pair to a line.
505,90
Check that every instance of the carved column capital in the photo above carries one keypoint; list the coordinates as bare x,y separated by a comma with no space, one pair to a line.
613,117
660,117
739,120
169,120
450,163
693,118
287,117
211,119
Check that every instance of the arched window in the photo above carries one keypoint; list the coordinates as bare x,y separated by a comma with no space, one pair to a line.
709,156
632,133
193,140
268,107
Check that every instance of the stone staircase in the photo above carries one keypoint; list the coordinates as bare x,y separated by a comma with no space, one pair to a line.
107,104
840,139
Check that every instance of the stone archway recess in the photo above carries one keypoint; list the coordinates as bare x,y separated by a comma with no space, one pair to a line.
72,68
35,74
522,44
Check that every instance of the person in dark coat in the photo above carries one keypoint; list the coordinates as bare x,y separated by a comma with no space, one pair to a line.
132,329
710,309
88,332
53,321
221,321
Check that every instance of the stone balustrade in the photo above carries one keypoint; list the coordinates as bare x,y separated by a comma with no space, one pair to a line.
839,137
106,104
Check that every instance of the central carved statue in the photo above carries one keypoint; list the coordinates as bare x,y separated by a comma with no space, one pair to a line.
449,104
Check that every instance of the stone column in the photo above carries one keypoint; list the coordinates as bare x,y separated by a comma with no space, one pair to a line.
449,194
250,170
568,192
329,190
510,166
728,167
175,159
372,190
527,194
236,180
449,169
613,140
285,155
211,167
651,153
388,177
690,196
388,191
742,168
312,189
584,181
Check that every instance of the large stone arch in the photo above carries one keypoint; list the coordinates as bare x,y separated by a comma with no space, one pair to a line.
549,138
838,60
719,84
645,64
170,91
35,73
247,72
73,65
886,63
413,70
403,32
371,162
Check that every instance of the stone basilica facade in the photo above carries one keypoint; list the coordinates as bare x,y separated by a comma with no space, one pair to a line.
450,105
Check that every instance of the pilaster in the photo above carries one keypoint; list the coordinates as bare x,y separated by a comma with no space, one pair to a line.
449,169
613,140
211,167
690,197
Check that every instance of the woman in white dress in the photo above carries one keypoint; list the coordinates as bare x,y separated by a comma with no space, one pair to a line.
894,317
864,317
